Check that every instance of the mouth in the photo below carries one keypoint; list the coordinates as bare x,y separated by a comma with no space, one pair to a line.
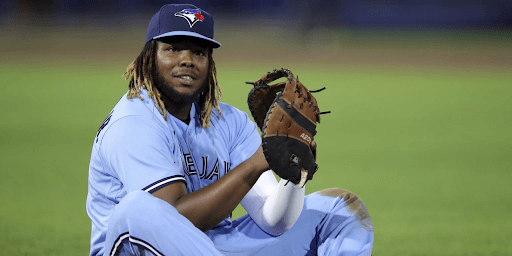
185,77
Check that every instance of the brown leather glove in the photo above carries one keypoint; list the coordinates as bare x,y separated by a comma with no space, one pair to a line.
287,115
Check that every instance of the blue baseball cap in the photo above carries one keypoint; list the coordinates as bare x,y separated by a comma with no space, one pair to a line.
181,20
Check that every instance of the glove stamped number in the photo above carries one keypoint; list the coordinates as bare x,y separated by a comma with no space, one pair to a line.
306,137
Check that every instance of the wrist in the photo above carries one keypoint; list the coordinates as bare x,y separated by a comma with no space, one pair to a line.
262,164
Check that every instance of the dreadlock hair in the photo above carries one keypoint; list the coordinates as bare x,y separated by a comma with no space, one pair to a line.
210,97
140,74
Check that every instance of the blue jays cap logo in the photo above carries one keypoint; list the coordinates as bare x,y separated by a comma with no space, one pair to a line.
191,15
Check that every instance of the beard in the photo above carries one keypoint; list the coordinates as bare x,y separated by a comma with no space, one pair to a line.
175,96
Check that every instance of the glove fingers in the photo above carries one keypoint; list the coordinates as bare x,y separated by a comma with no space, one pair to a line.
262,95
278,87
303,100
276,74
260,99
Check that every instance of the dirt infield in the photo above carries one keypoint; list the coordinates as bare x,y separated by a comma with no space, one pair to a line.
360,48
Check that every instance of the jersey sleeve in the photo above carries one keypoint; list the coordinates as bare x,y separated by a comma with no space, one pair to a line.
245,138
141,154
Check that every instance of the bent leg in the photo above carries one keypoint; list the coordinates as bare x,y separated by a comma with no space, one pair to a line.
347,229
142,224
333,222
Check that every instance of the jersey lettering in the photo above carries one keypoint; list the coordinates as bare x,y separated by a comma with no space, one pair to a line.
189,162
184,166
227,167
205,167
215,171
190,168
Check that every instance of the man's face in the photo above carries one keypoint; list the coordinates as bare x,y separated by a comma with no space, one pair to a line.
182,68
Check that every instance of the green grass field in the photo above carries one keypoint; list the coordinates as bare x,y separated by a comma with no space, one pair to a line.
426,141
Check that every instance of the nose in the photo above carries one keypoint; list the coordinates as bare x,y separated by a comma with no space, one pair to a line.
186,59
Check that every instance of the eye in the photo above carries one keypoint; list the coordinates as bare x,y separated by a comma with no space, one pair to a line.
199,53
171,49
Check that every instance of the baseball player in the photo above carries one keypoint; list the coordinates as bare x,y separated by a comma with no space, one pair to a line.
171,162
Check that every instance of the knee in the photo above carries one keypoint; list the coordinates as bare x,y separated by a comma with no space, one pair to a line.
134,198
133,201
352,203
138,205
348,197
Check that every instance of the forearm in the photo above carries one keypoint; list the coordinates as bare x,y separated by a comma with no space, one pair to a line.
282,208
208,206
274,206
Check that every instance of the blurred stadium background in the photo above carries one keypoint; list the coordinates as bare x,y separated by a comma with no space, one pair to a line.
420,94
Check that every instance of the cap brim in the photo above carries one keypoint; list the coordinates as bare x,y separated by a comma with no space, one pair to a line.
215,44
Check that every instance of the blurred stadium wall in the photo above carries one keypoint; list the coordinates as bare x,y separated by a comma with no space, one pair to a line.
321,29
306,14
298,31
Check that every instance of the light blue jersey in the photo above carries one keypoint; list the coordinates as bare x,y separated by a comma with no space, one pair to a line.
136,152
137,149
